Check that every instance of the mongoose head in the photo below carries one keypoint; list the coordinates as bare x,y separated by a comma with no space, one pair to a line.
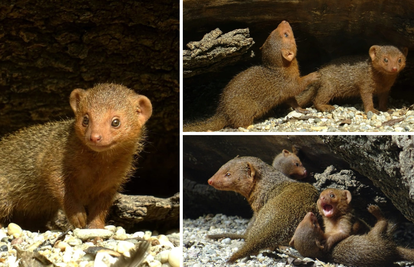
294,167
334,202
279,49
108,116
388,59
309,239
236,175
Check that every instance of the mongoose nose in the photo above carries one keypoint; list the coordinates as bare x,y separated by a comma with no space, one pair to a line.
394,69
96,138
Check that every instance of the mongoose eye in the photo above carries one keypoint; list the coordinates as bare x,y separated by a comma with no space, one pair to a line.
85,121
332,195
386,60
286,34
399,60
297,164
116,123
227,174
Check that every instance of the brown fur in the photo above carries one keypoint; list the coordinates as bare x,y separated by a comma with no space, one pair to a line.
266,189
338,217
289,164
76,165
376,248
309,239
357,76
255,91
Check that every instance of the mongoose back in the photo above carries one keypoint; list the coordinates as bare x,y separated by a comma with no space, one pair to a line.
289,164
255,91
376,248
278,202
357,76
76,165
338,216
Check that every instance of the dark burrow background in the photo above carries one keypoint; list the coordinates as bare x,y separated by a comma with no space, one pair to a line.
47,49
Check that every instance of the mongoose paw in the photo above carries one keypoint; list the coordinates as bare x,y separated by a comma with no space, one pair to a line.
325,108
78,220
315,76
373,110
96,225
373,208
301,110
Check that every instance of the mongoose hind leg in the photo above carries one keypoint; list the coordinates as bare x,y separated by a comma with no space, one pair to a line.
294,104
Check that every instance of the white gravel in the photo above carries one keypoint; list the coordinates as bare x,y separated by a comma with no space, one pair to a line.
199,251
343,119
73,250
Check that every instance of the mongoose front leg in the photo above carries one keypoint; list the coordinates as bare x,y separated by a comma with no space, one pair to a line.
98,210
308,79
74,211
366,97
383,101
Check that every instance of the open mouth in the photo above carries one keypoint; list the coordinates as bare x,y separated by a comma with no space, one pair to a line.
327,210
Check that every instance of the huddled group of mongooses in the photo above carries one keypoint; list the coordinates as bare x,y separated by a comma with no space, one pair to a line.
284,213
255,91
76,165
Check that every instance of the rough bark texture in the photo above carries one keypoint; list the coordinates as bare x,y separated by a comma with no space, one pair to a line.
215,51
146,212
49,48
388,161
324,30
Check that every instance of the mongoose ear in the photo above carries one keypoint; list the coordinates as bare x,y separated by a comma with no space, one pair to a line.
295,150
292,242
75,98
285,152
287,54
404,50
250,170
348,196
373,51
144,108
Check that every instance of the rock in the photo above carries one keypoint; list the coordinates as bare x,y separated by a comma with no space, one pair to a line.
120,234
154,263
112,228
14,230
164,241
124,247
62,245
163,256
86,234
215,51
67,255
129,211
174,257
